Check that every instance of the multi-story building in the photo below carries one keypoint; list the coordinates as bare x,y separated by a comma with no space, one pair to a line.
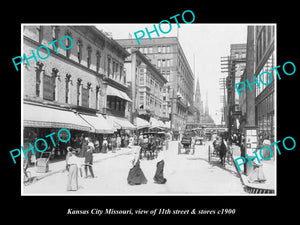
264,96
76,86
168,57
258,106
146,84
236,66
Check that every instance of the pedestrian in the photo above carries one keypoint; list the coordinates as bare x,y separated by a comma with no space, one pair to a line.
113,144
223,150
135,175
118,141
266,153
159,174
104,145
89,158
126,141
72,164
122,141
257,174
84,147
141,139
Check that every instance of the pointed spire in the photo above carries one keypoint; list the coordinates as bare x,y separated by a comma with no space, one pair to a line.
206,104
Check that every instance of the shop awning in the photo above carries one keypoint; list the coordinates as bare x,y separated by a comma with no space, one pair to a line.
115,92
120,123
155,123
99,123
50,117
141,123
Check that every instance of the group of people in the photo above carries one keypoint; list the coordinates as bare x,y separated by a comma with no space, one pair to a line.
74,163
136,175
103,144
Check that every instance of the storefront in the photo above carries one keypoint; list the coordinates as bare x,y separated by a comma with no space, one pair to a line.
40,120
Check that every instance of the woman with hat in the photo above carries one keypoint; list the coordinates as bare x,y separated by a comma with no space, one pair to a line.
136,175
73,163
159,174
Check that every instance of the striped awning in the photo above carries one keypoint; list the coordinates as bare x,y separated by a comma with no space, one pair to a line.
52,117
115,92
120,123
141,123
99,123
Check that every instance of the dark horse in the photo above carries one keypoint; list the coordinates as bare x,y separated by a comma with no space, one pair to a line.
222,152
220,149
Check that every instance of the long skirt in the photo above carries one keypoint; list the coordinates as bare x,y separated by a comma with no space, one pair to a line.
159,174
72,184
136,175
257,175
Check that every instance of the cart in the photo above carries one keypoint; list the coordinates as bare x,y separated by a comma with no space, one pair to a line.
42,165
214,155
185,145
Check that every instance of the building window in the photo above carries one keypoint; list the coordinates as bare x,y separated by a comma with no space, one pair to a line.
98,58
108,66
39,69
142,79
89,55
55,31
78,90
113,70
97,97
68,44
121,74
40,33
54,76
68,78
79,50
168,75
159,62
86,96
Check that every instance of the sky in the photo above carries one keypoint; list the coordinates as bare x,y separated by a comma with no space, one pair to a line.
206,42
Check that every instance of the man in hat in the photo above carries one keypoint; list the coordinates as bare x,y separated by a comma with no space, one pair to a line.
89,158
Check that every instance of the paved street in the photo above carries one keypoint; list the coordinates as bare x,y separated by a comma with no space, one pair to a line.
186,174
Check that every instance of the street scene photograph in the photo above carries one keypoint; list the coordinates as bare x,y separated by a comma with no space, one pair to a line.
106,111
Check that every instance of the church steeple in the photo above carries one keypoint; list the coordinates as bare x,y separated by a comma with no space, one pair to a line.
206,105
198,101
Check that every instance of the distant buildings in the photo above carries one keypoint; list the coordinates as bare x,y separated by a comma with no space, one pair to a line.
169,59
146,85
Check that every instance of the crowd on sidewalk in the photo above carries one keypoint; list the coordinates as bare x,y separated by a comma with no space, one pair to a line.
256,173
136,176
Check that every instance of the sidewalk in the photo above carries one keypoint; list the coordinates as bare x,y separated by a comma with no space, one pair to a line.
269,169
60,166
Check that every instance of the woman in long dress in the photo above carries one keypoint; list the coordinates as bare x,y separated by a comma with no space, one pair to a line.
257,174
73,162
159,174
136,175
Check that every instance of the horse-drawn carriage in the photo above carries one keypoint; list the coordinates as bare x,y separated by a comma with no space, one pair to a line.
186,145
220,150
153,145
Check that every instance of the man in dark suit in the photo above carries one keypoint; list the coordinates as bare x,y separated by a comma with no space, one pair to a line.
89,158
